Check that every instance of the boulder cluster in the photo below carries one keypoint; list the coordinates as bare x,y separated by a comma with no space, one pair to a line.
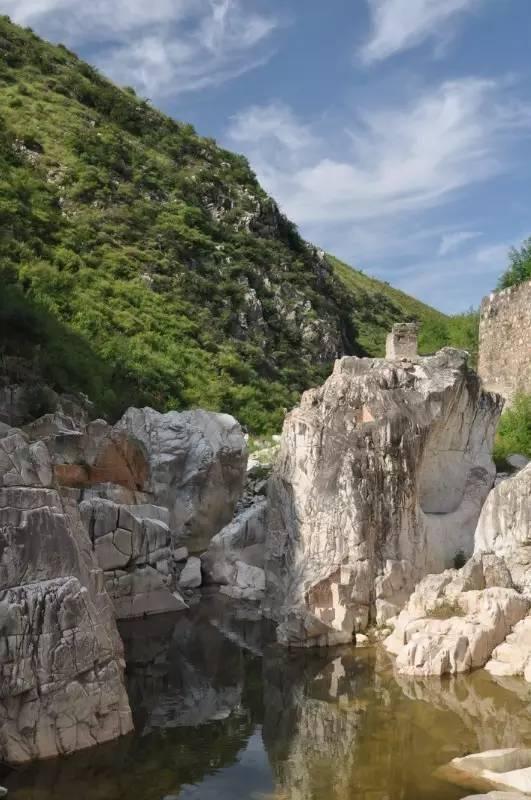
376,512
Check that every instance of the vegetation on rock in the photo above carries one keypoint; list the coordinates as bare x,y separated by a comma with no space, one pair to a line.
514,430
142,264
519,269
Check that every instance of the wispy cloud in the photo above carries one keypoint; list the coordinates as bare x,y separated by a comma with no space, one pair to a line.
398,25
450,242
373,191
394,159
160,46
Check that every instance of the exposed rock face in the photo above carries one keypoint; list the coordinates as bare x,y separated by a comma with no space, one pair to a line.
380,480
133,545
504,526
235,557
145,486
61,660
513,656
197,462
453,621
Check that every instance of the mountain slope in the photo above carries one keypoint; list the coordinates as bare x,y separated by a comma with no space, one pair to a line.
141,263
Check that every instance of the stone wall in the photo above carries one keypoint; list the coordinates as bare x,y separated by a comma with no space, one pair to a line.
505,341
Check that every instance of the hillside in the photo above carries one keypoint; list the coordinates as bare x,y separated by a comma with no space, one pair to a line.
143,264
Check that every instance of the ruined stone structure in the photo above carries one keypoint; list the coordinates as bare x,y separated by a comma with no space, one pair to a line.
402,341
505,341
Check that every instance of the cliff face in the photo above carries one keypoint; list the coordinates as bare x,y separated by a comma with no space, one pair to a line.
380,480
61,661
144,265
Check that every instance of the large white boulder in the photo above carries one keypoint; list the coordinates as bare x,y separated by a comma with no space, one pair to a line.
380,480
504,526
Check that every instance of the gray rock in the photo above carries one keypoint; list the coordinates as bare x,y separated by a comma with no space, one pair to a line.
196,467
190,577
517,461
62,658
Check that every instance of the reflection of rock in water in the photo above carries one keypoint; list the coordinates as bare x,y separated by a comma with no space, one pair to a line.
313,710
182,674
498,714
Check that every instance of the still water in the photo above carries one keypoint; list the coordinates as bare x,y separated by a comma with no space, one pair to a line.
222,713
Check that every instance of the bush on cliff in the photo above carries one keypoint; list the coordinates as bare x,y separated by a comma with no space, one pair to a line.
514,431
519,269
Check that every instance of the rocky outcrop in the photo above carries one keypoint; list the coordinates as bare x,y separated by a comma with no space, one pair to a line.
196,467
145,486
235,557
504,526
91,514
61,659
380,480
454,621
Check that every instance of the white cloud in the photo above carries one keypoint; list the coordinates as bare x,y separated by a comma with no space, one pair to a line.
450,242
159,46
401,24
395,160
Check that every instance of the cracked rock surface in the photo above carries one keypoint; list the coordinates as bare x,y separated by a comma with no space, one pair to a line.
380,480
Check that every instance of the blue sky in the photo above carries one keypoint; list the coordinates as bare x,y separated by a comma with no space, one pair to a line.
395,133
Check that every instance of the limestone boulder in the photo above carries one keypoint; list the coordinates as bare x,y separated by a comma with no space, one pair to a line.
513,656
504,527
196,467
380,480
190,577
133,545
61,658
235,556
454,621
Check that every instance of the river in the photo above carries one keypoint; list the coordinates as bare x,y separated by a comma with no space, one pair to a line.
223,713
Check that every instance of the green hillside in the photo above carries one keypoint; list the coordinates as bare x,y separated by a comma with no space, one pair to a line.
142,264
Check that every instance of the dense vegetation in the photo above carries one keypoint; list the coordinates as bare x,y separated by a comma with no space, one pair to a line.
519,269
143,264
514,431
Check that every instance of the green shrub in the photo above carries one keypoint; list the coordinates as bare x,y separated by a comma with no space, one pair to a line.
514,431
519,269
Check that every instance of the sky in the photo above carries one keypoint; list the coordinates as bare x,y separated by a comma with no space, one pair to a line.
395,133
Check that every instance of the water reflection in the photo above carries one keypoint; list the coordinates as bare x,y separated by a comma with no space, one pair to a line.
223,714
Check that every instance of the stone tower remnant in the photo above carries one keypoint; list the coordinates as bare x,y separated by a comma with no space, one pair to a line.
402,341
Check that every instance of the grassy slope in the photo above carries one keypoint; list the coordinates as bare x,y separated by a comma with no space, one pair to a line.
134,253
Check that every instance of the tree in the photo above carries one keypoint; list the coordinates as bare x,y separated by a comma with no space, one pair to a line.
519,269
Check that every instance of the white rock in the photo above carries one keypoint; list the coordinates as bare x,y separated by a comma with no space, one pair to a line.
190,577
504,527
508,769
452,623
380,480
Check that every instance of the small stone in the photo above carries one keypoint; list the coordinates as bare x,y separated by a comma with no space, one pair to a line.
361,640
190,577
180,554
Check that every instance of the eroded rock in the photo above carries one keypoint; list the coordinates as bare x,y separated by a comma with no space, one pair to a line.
380,480
504,527
453,621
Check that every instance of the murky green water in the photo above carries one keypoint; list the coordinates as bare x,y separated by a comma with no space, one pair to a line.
223,714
